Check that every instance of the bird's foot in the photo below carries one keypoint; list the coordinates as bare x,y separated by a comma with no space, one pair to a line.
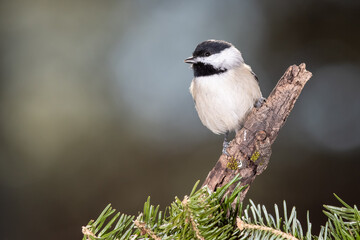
225,146
259,102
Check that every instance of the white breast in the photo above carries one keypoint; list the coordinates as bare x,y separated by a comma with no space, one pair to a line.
223,100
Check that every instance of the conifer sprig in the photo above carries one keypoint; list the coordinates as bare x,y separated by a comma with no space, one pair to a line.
206,215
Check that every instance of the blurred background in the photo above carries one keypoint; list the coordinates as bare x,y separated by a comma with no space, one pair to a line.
95,106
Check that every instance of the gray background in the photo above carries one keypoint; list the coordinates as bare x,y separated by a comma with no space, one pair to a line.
95,107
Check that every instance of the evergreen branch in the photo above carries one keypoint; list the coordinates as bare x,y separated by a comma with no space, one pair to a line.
123,228
145,231
243,226
216,215
343,222
257,223
87,232
191,219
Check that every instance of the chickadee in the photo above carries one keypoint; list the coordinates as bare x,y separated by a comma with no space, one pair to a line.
224,88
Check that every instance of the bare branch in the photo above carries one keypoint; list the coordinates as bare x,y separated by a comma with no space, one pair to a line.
250,151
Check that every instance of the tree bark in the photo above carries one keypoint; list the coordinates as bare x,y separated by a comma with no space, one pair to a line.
250,151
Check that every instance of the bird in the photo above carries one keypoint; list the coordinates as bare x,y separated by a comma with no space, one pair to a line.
224,88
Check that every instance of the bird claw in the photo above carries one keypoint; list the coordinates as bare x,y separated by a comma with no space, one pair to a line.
259,102
225,146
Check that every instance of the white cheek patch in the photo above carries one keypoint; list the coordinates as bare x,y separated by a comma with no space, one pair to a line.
227,59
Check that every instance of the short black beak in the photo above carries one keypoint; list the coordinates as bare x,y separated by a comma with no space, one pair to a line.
190,60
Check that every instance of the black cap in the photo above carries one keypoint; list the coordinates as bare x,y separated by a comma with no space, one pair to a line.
210,47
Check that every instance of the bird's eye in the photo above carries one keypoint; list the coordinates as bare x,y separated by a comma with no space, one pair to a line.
207,54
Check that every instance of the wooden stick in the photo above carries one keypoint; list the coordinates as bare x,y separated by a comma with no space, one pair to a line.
250,151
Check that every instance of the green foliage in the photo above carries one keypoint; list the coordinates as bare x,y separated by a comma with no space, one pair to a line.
122,229
343,222
262,225
207,215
